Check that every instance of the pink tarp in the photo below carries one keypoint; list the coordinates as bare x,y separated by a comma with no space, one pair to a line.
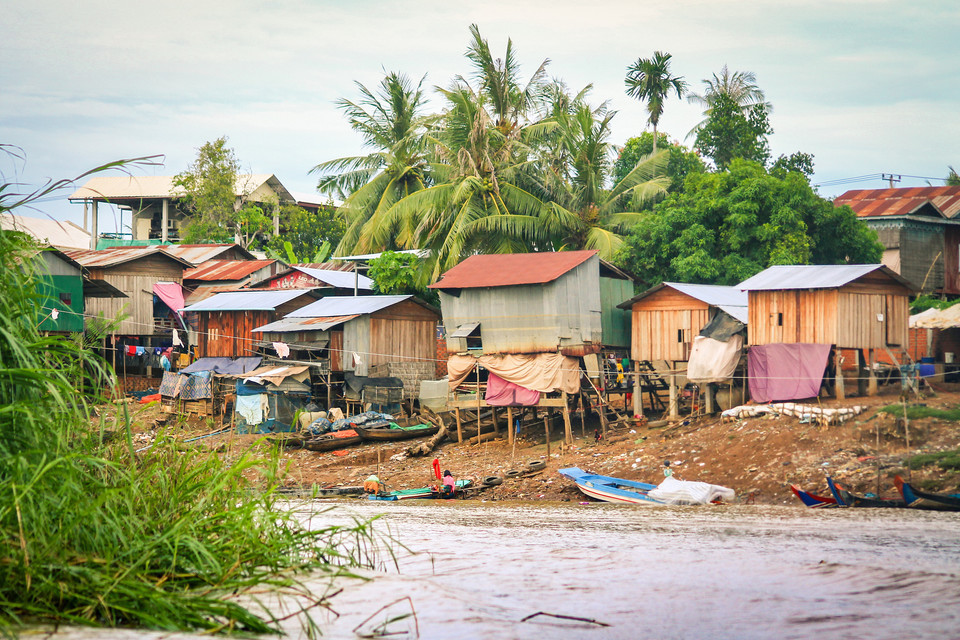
501,393
780,372
172,295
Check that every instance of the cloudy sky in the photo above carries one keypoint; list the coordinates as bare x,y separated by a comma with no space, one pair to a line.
866,86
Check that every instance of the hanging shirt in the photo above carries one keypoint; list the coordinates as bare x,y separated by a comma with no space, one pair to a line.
282,349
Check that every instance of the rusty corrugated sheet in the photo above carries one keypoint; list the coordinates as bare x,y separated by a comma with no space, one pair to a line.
104,258
899,202
214,270
504,270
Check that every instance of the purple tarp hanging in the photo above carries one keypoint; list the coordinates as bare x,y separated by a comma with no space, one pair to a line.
501,393
780,372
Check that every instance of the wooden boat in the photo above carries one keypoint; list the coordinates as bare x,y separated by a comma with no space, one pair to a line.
333,441
611,489
812,500
287,440
916,499
397,432
421,493
847,499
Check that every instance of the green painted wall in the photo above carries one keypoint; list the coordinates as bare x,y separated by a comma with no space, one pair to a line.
616,322
71,317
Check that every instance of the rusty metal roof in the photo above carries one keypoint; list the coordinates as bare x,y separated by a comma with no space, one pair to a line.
505,270
215,270
114,256
814,276
292,325
869,203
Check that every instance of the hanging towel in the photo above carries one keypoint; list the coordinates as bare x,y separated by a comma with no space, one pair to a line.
282,349
157,351
131,350
176,339
249,407
139,351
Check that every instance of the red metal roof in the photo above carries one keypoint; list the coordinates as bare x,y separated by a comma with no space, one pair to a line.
119,255
504,270
219,270
900,202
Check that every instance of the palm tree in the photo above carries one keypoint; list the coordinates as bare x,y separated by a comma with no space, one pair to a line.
650,80
738,86
391,122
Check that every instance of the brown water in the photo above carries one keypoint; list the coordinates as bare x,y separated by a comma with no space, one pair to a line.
649,572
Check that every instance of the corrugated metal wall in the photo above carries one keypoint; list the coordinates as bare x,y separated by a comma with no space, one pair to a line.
615,322
356,339
530,318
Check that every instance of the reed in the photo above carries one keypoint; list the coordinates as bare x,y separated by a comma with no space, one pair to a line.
96,534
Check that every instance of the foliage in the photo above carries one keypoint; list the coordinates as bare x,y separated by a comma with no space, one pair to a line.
726,227
799,161
732,132
401,274
109,536
649,79
738,87
681,161
918,411
306,236
952,179
946,460
929,301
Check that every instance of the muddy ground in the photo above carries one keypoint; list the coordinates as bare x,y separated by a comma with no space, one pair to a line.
758,457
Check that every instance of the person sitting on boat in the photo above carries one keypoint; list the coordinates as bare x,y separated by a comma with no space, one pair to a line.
371,485
449,485
667,471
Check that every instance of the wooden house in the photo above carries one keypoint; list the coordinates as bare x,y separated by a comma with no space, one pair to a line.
919,228
534,303
333,282
65,286
861,307
225,321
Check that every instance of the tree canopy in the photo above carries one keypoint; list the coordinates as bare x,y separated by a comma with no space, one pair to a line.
728,226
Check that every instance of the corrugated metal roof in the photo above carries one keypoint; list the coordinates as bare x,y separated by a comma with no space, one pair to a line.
337,278
213,270
505,270
812,276
740,313
205,291
251,300
346,306
900,202
61,234
711,294
937,318
119,255
293,325
138,187
200,253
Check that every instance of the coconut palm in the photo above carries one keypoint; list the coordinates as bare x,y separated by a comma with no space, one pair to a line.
391,122
738,86
649,79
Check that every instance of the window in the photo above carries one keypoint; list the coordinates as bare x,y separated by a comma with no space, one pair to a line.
779,319
66,298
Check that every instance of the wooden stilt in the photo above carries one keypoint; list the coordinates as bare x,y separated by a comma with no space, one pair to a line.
456,412
861,373
674,408
708,394
583,416
478,399
838,387
546,428
601,393
510,429
567,427
496,425
637,391
872,384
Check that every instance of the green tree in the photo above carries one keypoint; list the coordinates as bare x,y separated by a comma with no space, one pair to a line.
306,236
738,87
649,79
731,131
401,274
726,227
952,179
799,161
390,119
210,187
681,161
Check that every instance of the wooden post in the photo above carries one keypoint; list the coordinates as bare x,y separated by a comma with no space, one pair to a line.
872,384
567,427
637,391
674,408
477,369
546,428
510,434
456,412
708,394
861,374
838,388
496,426
583,416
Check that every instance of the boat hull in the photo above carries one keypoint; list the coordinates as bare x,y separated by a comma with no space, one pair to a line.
916,499
812,500
379,435
609,489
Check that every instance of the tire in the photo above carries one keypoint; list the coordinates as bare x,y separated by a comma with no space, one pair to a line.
536,465
513,473
492,481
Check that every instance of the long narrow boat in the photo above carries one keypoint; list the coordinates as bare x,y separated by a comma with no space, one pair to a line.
333,441
611,489
917,499
812,500
421,493
847,499
397,432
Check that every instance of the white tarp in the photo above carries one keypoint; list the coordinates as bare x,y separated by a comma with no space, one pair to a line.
673,491
713,361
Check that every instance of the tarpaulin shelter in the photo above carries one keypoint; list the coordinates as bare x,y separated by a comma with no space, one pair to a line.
269,397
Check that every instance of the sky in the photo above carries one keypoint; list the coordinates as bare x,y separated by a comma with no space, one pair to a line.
866,86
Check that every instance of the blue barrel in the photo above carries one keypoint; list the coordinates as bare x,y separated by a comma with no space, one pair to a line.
927,370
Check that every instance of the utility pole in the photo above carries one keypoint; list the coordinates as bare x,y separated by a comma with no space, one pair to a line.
890,178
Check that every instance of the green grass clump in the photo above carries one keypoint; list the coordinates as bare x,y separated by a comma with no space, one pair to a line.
915,412
946,460
100,535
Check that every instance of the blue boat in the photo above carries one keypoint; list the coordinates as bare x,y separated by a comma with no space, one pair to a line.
848,499
812,500
917,499
611,489
421,493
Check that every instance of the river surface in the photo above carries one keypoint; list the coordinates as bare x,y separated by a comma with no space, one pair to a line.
478,570
657,572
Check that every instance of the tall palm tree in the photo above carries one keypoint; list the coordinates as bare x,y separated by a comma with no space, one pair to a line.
391,121
739,86
649,79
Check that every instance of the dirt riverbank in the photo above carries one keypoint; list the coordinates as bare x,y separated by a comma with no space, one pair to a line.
758,457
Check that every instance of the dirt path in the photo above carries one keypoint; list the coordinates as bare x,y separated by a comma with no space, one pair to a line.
758,457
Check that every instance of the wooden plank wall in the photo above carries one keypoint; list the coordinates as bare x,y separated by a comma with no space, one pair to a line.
664,325
336,349
407,330
229,334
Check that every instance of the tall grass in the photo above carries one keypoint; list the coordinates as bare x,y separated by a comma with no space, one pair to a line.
99,535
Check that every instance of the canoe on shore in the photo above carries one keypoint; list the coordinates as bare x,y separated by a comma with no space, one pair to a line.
812,500
848,499
397,433
333,441
917,499
421,493
611,489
